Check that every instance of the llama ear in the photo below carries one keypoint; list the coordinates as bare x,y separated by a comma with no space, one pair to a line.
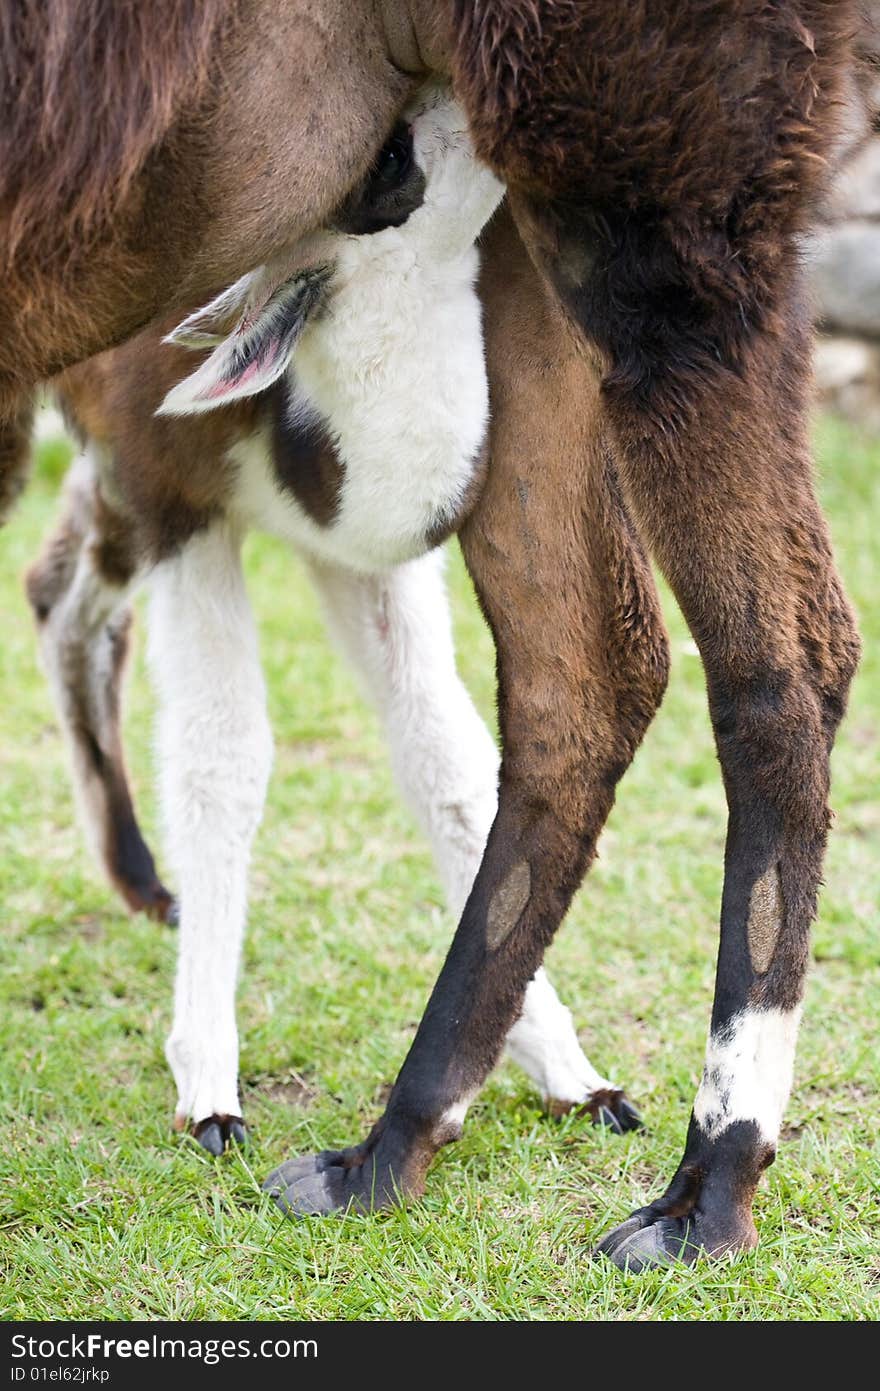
256,352
208,326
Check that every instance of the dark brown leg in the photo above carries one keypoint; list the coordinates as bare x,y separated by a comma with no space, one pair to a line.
662,160
582,664
715,468
77,590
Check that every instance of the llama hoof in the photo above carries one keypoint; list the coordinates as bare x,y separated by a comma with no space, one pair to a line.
609,1107
642,1243
706,1209
316,1185
300,1188
216,1133
334,1181
645,1240
155,902
618,1114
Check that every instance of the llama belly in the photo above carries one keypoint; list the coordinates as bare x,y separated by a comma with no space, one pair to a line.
402,380
364,509
397,501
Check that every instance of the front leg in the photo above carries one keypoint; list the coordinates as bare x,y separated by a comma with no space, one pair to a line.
215,752
582,664
395,630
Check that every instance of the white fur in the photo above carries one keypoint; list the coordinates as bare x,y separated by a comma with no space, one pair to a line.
396,365
748,1071
544,1043
215,754
395,630
392,365
452,1119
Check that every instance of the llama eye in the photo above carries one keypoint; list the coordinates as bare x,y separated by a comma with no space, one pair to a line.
394,161
394,188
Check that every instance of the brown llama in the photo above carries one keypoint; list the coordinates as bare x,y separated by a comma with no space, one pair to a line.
661,161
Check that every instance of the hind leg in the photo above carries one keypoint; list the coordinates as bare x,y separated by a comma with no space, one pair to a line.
79,593
395,630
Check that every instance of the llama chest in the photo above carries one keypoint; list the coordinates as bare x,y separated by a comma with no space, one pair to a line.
371,448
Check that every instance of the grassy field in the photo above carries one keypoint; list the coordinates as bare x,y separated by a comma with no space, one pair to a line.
107,1214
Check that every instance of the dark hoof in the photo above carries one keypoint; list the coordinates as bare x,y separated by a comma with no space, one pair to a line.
154,901
707,1208
336,1181
644,1242
316,1185
217,1133
648,1239
607,1108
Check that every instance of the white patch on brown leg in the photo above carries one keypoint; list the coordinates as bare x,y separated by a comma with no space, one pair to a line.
748,1072
450,1124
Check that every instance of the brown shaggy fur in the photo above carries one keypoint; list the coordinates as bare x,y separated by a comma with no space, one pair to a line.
89,90
687,142
150,153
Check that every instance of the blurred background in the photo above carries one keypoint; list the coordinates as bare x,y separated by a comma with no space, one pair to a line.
845,253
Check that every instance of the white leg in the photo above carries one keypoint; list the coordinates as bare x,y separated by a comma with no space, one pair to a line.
395,630
544,1043
215,751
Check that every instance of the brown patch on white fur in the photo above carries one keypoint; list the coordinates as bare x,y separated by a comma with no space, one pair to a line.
306,463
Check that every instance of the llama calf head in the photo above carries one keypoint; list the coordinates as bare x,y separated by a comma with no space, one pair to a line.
424,202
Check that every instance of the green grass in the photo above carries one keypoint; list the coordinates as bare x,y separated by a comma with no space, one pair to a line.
107,1214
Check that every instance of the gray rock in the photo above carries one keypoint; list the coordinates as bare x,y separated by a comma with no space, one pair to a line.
857,191
848,379
845,263
839,362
